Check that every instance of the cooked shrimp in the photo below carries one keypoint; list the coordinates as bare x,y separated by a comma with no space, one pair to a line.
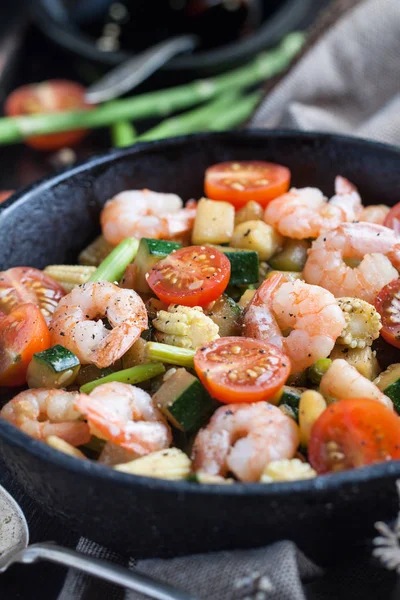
43,412
125,415
342,381
143,213
243,439
376,213
309,313
77,324
305,213
376,246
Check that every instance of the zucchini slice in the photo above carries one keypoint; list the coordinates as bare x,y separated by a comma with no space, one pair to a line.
389,383
244,265
184,401
149,253
226,314
290,398
56,367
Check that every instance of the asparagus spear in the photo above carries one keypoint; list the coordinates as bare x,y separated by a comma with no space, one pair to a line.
159,103
123,134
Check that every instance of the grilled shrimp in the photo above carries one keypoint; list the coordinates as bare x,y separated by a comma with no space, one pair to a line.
77,324
343,381
125,415
376,213
143,213
305,213
244,438
43,412
309,313
376,246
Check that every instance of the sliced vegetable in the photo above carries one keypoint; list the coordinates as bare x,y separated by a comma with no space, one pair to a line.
89,373
136,355
149,253
318,369
312,404
251,211
95,253
238,182
170,354
192,276
214,222
292,257
363,323
354,433
244,265
184,326
246,298
392,219
363,359
55,95
55,367
290,397
22,285
64,447
69,276
22,333
170,463
389,383
239,369
226,314
258,236
387,303
286,275
133,375
184,401
113,266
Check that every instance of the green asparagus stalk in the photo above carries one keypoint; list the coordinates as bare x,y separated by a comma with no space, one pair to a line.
158,103
194,120
113,266
236,114
172,355
133,375
123,134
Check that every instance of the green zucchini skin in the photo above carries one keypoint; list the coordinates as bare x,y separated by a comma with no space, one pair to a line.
55,367
226,314
244,265
184,401
393,392
291,398
150,252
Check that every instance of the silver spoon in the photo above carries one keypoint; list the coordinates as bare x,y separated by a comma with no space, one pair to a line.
135,70
14,536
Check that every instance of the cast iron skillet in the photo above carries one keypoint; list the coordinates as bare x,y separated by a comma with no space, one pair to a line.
50,222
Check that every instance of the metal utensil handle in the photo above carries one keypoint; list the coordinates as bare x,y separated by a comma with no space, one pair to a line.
102,569
133,71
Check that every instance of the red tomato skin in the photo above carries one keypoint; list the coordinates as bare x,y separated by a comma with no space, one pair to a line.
361,432
223,389
392,219
26,328
27,284
215,188
184,263
390,331
59,95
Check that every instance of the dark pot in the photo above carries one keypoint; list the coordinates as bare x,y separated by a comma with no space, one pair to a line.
289,15
50,222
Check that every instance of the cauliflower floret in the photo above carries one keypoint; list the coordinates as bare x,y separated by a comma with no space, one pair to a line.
184,326
287,470
363,323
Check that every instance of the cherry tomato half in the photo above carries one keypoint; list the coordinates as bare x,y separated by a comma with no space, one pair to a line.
192,276
239,369
22,333
55,95
392,219
353,433
25,284
242,181
387,303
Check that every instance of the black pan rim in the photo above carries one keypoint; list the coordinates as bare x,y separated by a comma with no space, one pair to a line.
319,485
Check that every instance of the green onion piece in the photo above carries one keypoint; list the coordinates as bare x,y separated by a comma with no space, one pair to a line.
123,134
172,355
133,375
113,266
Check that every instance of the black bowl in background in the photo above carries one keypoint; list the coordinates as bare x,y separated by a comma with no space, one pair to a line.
289,15
50,222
